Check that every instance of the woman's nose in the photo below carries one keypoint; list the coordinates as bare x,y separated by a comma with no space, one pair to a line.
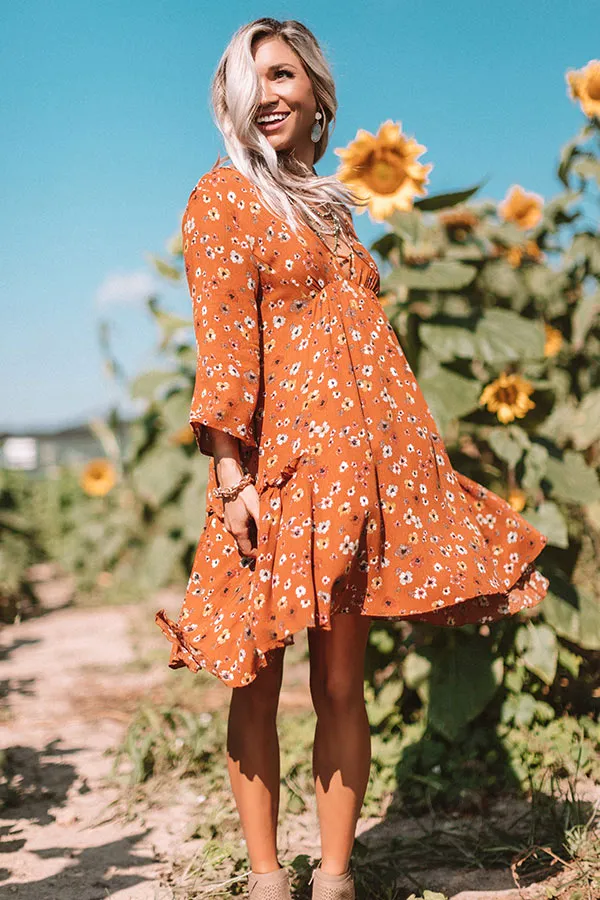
267,94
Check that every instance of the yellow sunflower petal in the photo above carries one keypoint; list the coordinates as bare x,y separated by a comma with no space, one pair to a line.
508,397
524,208
584,86
383,170
517,499
98,477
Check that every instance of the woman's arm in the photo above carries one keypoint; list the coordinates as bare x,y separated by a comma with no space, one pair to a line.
241,515
223,279
226,453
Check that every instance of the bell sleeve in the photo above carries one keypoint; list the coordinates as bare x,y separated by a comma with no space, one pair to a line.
223,279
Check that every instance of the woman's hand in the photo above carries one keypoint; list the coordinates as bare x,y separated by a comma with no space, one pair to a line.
240,516
241,520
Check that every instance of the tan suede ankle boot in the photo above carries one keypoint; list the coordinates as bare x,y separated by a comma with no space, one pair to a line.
332,887
269,885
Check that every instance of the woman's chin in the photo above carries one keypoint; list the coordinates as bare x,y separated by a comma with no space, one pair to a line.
280,145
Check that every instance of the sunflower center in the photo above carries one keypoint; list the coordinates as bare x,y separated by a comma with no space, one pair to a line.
508,395
522,209
383,176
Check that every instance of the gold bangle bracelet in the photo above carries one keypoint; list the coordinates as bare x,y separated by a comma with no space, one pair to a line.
232,492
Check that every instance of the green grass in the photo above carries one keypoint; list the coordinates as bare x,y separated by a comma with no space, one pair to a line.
437,800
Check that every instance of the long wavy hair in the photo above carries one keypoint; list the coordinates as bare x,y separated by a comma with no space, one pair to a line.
289,188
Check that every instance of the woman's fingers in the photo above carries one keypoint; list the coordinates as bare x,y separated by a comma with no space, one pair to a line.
253,505
245,537
245,546
241,521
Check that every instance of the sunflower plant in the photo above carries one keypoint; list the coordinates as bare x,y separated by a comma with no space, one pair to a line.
496,306
146,502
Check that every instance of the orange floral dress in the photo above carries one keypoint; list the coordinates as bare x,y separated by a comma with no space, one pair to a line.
361,511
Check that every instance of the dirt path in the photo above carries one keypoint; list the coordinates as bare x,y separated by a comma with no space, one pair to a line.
68,696
70,681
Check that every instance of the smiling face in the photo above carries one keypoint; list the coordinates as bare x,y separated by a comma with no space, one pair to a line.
286,89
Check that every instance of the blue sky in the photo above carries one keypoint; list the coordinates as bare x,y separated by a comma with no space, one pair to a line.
106,129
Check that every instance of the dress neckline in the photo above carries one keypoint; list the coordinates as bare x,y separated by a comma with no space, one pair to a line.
352,237
346,264
339,260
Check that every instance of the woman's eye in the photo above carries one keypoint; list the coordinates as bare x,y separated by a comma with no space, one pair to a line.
284,72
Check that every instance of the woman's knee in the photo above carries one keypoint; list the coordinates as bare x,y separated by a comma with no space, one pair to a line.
335,691
337,665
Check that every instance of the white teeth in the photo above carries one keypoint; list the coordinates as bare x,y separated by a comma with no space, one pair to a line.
274,118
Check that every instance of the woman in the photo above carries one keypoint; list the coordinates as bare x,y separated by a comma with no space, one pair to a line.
331,499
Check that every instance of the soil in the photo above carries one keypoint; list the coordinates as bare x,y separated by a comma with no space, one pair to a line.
70,680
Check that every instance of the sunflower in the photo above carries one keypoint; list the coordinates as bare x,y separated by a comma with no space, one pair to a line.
584,85
514,256
521,252
98,477
521,207
418,254
508,397
383,170
554,340
459,224
517,499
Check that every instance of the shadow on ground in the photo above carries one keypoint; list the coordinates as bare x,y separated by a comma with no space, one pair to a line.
34,787
94,864
472,841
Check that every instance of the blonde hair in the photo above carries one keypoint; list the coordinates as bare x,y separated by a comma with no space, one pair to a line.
289,188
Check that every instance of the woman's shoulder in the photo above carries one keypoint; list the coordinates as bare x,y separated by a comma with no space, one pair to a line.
220,179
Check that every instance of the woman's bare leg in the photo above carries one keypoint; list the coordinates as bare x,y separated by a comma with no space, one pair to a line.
253,761
342,747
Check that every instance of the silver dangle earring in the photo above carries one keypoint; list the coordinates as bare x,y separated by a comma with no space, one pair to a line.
317,130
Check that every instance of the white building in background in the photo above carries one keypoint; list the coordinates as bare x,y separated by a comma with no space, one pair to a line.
41,451
20,453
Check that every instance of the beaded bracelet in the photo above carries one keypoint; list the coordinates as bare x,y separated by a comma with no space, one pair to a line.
232,492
